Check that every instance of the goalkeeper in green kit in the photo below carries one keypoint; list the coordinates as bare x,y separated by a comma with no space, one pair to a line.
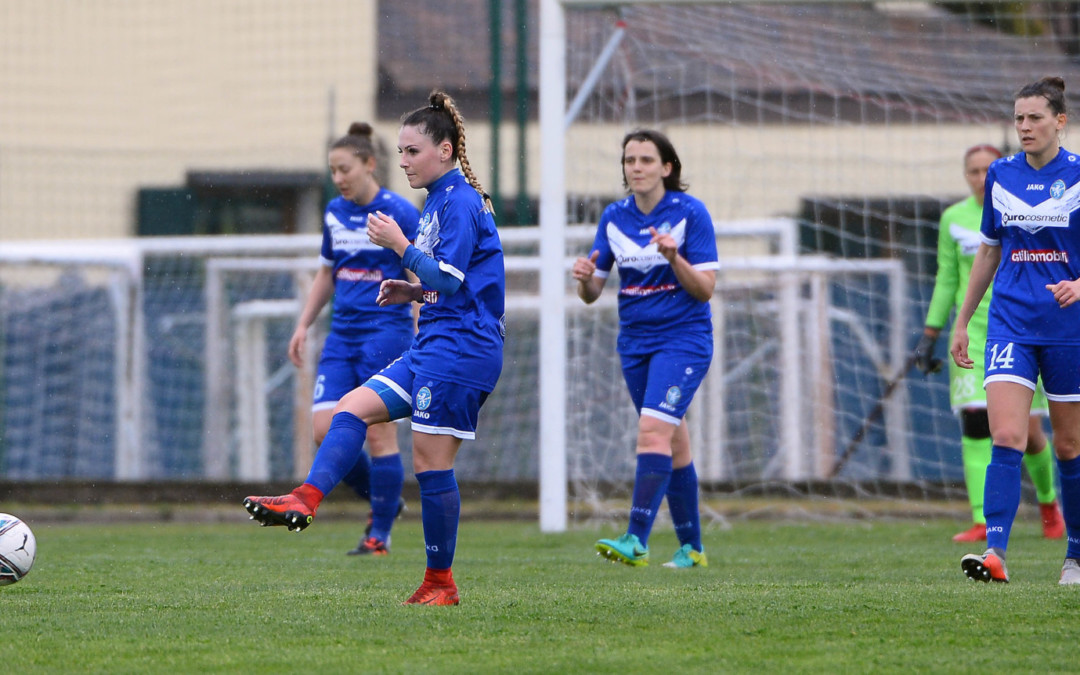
958,239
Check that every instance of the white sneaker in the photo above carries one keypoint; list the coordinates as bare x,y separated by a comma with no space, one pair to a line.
1070,573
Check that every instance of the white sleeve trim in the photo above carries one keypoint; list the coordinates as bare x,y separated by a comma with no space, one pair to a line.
988,241
705,266
452,271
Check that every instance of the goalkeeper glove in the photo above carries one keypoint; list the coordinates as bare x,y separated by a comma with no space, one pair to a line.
924,355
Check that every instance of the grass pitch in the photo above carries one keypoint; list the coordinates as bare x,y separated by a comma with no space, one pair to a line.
798,597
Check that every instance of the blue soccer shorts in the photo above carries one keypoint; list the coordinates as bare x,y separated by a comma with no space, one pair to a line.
1059,366
436,407
663,382
346,364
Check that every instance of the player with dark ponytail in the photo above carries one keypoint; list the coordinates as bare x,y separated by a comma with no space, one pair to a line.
958,239
1031,251
452,366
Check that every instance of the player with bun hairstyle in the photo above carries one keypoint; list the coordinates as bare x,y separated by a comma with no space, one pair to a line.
958,239
363,337
452,365
664,244
1030,250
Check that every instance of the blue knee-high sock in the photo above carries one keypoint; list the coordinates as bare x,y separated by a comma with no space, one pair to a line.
440,510
359,477
1069,473
682,499
387,476
338,454
1001,498
650,484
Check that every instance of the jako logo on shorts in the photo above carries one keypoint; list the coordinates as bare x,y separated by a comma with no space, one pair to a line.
674,394
423,401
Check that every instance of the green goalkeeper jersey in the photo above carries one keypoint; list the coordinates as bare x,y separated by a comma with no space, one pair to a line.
958,240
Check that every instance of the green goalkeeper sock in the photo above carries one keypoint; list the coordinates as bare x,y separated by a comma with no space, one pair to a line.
976,455
1040,467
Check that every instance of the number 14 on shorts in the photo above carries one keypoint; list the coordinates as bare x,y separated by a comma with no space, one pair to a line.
1000,357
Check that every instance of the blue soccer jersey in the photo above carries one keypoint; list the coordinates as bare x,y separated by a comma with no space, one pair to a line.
651,299
460,336
1035,219
360,266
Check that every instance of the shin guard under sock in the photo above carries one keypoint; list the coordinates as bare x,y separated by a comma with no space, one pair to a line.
976,457
682,499
359,477
1040,467
1002,495
339,451
440,510
650,485
1069,472
387,477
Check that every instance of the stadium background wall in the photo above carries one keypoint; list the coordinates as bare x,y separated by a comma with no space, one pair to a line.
103,99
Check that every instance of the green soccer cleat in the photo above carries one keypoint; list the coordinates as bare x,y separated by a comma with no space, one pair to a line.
627,549
687,557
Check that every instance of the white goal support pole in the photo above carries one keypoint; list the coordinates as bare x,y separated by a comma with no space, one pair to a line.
553,474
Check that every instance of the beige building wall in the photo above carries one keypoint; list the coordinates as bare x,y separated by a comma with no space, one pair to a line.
98,99
744,172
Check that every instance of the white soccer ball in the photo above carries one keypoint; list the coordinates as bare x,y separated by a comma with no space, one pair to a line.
18,548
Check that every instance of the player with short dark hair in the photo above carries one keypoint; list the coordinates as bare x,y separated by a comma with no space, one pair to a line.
958,240
445,376
1031,251
664,245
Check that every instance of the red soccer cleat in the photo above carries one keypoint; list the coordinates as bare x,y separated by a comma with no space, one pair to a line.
976,533
292,510
429,594
986,567
438,589
1052,521
370,546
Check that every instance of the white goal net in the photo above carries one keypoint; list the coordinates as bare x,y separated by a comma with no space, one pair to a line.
852,120
825,139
